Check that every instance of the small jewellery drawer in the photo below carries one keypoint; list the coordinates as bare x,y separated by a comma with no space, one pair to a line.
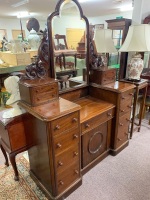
41,98
68,177
44,89
62,161
126,99
63,141
96,121
65,123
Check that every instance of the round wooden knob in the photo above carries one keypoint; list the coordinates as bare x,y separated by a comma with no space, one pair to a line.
129,106
76,171
123,97
74,119
75,136
126,133
119,139
75,153
87,125
131,94
57,127
122,110
61,182
59,145
60,163
128,119
109,114
120,124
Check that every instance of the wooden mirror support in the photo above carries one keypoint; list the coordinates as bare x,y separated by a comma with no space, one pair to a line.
50,36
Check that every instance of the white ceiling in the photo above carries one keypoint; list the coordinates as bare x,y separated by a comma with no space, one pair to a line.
40,9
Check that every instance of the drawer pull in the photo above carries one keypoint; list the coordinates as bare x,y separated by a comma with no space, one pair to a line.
75,136
122,110
60,163
76,171
38,99
57,127
123,97
36,91
120,124
74,119
126,133
131,94
59,145
109,114
119,139
129,106
75,153
128,120
61,182
87,125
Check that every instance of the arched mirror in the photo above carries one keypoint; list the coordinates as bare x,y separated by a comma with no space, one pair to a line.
68,33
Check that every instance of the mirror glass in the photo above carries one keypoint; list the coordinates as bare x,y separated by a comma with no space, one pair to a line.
69,46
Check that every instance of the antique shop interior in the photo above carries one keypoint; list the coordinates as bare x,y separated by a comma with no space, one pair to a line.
75,99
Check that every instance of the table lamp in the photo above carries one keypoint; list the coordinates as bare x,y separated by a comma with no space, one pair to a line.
137,40
103,44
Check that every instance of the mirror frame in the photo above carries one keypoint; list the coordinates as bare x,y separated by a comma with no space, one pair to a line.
50,38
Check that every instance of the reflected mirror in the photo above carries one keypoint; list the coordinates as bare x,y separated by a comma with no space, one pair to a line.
67,32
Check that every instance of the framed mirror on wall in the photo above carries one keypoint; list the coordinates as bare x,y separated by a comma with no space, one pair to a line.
68,33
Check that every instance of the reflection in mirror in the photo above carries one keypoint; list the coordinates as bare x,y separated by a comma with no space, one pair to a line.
68,31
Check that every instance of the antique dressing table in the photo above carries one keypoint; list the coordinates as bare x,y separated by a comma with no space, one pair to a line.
72,129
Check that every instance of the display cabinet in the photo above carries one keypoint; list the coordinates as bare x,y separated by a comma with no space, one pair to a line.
119,28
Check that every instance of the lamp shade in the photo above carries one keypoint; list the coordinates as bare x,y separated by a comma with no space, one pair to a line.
138,39
103,41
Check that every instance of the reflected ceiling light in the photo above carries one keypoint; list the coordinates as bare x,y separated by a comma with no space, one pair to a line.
126,8
20,3
23,14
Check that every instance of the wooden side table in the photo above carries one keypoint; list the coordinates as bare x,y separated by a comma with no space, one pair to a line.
13,139
142,84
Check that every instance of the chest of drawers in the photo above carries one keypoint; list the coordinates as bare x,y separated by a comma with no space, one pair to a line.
120,94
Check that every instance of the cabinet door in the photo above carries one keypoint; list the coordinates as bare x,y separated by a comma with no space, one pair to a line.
94,143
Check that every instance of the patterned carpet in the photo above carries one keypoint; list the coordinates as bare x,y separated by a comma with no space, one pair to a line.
24,189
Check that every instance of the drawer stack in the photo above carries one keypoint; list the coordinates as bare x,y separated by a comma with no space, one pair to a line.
66,146
124,117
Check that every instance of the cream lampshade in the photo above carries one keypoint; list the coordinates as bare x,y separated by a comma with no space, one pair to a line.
103,43
137,40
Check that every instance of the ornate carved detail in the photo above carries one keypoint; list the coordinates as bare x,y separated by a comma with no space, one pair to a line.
35,70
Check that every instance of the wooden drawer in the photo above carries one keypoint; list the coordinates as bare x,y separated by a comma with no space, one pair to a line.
68,177
64,123
68,157
44,89
65,140
123,129
96,121
94,143
126,102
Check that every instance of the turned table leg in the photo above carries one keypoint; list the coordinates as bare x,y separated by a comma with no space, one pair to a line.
13,162
5,155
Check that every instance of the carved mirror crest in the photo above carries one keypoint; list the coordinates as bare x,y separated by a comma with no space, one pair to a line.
68,36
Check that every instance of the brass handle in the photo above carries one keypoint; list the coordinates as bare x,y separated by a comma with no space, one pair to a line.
131,94
109,114
75,136
74,119
59,145
76,171
87,125
75,153
61,182
119,139
60,163
57,127
120,124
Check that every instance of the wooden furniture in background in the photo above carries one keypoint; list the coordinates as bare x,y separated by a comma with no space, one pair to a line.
122,25
13,138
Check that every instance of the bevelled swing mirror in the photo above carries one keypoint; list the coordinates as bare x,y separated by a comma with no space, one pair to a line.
68,33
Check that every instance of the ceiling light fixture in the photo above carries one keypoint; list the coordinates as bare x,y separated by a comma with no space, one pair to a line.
23,14
20,3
